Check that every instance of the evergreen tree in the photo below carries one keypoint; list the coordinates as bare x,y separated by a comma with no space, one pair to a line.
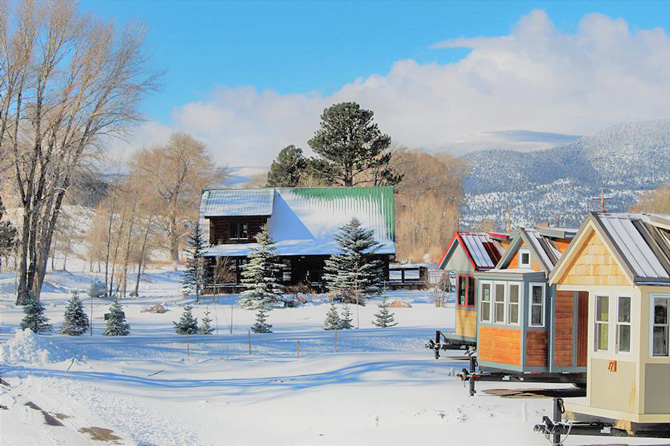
333,321
353,145
288,168
260,274
76,321
194,277
346,320
116,324
206,325
187,323
34,317
7,235
354,274
261,325
384,318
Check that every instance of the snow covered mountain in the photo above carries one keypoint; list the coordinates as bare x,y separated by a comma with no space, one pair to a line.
563,183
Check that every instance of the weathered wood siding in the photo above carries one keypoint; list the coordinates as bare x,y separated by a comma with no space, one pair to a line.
582,328
500,345
536,348
219,228
563,328
593,264
466,323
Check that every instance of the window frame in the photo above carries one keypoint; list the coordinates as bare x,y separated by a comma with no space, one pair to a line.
530,258
519,313
609,321
471,286
461,277
532,285
238,225
494,301
482,301
652,325
618,324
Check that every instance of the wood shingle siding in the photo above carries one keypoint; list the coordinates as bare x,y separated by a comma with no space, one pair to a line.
536,348
594,265
499,345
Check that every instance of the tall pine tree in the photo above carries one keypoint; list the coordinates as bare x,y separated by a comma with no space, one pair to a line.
261,273
76,321
194,278
34,317
288,168
354,274
187,324
116,322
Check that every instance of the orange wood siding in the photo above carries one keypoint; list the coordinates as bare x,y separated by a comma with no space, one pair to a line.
563,324
593,264
562,245
582,328
466,323
536,348
501,345
514,263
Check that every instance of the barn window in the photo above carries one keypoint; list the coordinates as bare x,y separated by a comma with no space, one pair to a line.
524,259
238,230
537,305
602,322
660,326
485,302
499,307
623,324
513,303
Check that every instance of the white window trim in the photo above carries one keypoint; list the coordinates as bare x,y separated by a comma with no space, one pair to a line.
617,324
655,296
520,312
481,300
530,303
530,259
504,303
611,326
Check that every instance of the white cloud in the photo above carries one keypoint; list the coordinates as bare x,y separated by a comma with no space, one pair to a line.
536,78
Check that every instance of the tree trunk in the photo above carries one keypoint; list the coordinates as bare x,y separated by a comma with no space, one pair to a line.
141,260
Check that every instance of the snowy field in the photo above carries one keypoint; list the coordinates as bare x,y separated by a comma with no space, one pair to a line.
380,387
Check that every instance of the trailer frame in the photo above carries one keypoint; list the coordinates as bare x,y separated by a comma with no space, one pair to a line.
450,341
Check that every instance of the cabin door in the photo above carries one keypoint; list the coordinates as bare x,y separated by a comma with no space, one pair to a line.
582,327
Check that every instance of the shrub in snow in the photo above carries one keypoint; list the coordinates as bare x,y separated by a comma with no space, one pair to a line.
261,325
206,326
76,321
355,274
332,319
260,274
194,277
346,320
34,318
25,347
158,308
116,323
384,318
187,324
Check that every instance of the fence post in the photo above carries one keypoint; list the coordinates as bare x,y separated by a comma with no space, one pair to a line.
335,341
188,344
249,341
298,349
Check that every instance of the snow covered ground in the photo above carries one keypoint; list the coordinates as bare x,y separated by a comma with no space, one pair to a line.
380,387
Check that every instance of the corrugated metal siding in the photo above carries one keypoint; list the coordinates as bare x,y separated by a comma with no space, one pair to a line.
236,202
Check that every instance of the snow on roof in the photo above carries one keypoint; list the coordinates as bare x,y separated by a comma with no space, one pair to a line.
303,221
643,246
236,202
482,248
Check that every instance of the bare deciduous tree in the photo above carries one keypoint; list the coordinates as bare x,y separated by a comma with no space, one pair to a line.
66,81
656,201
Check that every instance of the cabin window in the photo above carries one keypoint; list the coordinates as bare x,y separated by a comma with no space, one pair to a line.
537,305
660,328
471,292
524,259
462,289
602,322
485,303
238,230
513,303
499,307
623,324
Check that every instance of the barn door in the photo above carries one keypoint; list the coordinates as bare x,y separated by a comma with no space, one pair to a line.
582,327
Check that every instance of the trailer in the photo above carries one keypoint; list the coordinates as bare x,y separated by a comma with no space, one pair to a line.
451,341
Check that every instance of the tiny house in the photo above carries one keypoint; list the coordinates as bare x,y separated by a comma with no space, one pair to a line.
467,253
522,323
619,267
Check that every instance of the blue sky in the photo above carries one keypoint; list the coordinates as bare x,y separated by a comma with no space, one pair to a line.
300,47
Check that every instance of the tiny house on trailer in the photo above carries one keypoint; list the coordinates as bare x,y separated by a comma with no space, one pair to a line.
620,264
468,252
521,326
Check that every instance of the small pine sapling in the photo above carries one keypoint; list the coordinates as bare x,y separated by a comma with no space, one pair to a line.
76,320
346,321
260,274
34,317
187,324
116,322
333,321
384,318
206,325
261,325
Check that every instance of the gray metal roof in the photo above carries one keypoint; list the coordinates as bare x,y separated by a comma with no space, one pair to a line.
476,244
236,202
